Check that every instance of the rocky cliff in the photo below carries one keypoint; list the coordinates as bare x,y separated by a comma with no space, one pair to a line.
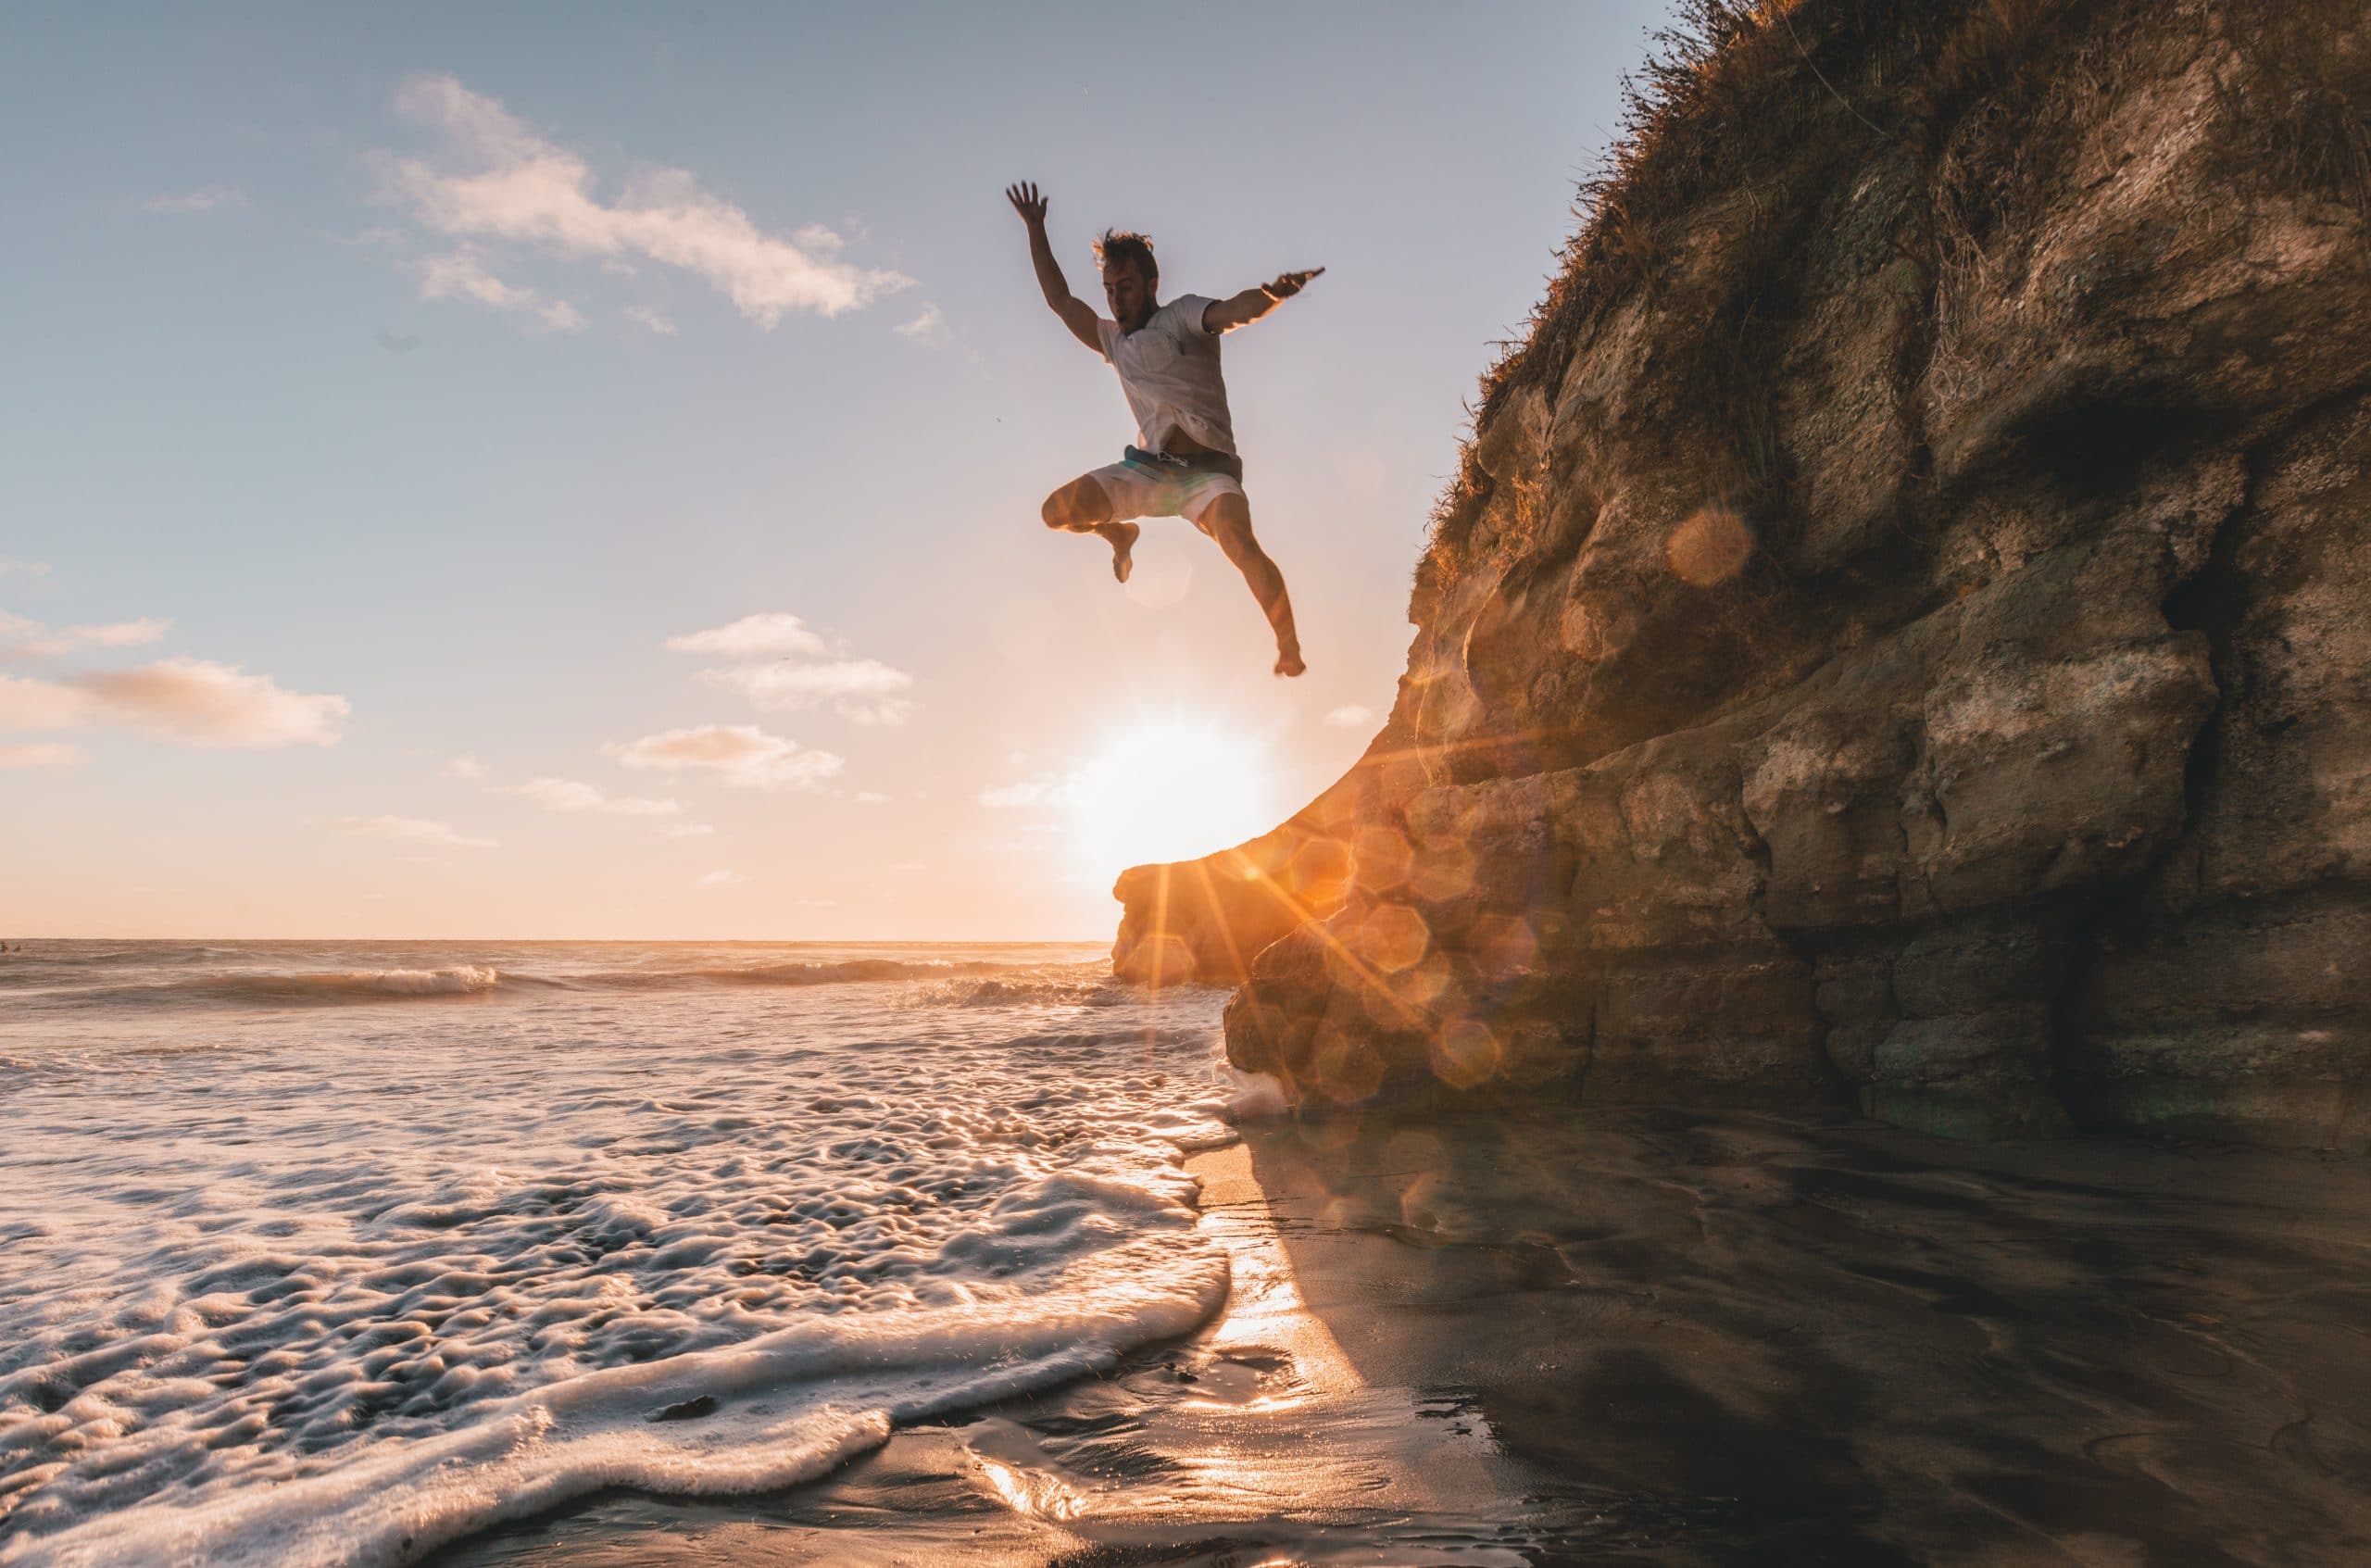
1898,636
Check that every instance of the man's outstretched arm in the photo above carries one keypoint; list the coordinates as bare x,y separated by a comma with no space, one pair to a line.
1076,314
1242,310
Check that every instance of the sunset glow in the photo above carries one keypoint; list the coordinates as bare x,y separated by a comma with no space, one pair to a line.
1171,789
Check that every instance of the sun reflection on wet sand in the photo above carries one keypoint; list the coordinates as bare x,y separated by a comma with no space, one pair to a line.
1268,1418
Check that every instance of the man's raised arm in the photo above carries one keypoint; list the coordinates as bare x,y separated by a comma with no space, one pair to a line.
1076,314
1242,310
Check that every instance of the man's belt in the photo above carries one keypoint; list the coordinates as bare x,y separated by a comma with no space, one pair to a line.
1191,463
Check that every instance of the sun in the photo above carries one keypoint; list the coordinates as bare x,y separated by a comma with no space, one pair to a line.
1170,789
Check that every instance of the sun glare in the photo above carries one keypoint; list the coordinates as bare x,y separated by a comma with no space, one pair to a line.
1171,789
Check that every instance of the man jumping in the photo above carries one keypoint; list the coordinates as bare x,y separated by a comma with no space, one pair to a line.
1168,360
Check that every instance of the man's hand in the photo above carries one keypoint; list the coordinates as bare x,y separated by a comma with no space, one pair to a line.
1286,285
1242,310
1028,203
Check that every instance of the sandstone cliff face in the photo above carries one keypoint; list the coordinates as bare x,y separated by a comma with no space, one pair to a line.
1901,639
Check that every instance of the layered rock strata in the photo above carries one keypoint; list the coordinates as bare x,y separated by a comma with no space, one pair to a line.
1901,637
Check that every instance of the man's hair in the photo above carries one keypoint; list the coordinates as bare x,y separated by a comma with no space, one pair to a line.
1126,244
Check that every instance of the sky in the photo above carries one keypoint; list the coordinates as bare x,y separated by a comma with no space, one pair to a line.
512,472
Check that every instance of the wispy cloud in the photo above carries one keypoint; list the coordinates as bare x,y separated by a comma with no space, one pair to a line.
741,754
465,766
461,275
19,636
567,795
497,179
196,701
29,704
23,568
39,754
411,830
1349,715
863,689
657,322
773,634
928,329
718,879
773,644
1040,791
685,829
205,198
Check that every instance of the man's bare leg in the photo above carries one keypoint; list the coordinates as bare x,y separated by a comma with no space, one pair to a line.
1228,520
1080,507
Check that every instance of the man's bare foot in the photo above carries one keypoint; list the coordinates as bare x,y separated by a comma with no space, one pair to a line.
1288,661
1123,536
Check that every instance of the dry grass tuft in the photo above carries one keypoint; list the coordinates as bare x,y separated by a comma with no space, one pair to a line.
2302,95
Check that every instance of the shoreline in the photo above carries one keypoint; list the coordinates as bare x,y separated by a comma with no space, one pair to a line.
1660,1337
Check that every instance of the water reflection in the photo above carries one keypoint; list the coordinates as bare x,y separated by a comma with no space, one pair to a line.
1689,1339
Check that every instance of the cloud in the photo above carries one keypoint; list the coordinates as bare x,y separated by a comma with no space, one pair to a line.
754,636
118,634
567,795
27,704
39,754
1039,791
928,329
642,315
861,689
459,275
685,829
741,754
31,637
871,798
205,198
192,701
718,879
498,179
864,690
1350,715
411,830
465,766
27,567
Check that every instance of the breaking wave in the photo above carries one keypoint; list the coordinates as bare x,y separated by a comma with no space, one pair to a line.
333,988
365,1283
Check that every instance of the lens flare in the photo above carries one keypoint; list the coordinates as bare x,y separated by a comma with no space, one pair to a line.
1709,549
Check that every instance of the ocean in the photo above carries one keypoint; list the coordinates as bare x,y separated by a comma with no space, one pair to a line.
479,1255
332,1252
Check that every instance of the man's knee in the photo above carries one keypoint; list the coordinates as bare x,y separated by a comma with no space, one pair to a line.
1079,503
1228,522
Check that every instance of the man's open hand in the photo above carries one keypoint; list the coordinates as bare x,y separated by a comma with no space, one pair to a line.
1026,202
1286,285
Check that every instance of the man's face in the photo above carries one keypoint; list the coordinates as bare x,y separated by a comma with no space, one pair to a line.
1129,291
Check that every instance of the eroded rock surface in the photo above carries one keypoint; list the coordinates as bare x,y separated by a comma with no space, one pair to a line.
1901,637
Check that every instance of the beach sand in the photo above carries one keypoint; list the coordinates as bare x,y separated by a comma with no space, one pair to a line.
1661,1337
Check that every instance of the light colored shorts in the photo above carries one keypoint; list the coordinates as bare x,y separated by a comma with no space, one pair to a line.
1154,490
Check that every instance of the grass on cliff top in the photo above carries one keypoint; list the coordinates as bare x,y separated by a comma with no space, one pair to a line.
1728,91
1735,91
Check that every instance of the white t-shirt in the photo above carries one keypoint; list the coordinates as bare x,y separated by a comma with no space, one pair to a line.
1169,368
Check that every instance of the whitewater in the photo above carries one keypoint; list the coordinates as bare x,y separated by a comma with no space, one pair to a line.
331,1253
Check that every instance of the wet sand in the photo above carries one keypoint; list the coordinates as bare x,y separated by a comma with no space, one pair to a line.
1667,1338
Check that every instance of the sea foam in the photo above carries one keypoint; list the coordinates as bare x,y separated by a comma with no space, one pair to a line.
338,1286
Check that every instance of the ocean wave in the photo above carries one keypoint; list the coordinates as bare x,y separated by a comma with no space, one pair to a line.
820,971
333,988
700,1254
308,988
